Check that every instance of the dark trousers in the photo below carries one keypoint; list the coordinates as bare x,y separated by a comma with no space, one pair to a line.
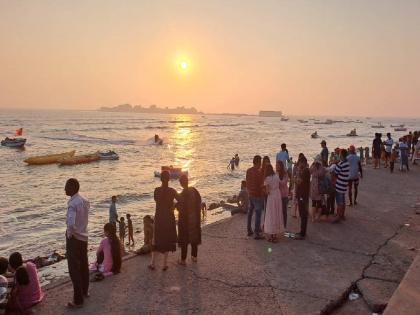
77,260
331,203
353,183
285,201
303,205
391,166
184,250
255,204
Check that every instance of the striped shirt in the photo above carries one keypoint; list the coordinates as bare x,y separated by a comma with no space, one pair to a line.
342,172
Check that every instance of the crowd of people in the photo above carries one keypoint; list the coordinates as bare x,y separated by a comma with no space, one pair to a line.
317,190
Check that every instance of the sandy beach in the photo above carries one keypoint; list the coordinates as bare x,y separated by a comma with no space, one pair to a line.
368,254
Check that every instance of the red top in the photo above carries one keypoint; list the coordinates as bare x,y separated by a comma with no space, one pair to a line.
254,182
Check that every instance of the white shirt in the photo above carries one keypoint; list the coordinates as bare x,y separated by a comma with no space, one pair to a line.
77,217
388,145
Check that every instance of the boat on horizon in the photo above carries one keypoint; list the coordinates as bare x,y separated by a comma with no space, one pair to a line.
378,125
397,126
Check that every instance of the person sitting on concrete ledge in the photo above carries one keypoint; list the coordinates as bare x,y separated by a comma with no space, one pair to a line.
242,201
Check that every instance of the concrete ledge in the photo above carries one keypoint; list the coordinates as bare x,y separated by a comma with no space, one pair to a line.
406,299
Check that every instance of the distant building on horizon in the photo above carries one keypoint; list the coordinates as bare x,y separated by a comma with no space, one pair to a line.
270,113
151,109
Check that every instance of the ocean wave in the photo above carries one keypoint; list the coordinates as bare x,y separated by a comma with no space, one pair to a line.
83,138
126,198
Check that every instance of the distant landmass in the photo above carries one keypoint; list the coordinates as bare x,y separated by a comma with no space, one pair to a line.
153,109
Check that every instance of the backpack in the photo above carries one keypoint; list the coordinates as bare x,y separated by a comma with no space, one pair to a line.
325,185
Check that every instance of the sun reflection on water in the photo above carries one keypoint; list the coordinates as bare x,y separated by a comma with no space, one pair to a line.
183,138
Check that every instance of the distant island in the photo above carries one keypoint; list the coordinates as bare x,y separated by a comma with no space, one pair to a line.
153,109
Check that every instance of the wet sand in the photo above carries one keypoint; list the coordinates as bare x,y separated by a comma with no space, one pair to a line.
369,252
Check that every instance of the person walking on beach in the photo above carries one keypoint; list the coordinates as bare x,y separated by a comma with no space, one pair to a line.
273,221
77,241
165,237
388,143
254,185
189,220
130,230
404,154
284,178
324,153
303,184
376,150
355,171
113,215
342,171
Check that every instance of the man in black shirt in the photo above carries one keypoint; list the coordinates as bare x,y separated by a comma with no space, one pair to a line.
324,153
302,195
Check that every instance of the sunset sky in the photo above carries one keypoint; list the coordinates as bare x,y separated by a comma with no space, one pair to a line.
301,57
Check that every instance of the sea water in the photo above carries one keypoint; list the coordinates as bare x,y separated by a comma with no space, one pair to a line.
32,198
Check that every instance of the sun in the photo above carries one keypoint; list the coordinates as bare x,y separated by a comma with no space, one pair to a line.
183,65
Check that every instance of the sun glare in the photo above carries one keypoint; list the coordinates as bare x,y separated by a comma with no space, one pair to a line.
183,65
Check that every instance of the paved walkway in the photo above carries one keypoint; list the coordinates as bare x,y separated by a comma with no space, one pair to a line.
235,275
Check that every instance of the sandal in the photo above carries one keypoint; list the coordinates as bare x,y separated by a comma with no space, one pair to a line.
151,267
165,268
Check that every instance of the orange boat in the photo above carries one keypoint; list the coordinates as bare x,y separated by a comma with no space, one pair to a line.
80,159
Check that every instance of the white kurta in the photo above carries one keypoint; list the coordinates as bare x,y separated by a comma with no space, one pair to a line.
273,222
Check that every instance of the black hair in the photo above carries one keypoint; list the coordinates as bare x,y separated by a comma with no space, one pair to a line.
148,217
243,183
115,247
283,145
122,219
15,260
128,215
256,160
4,263
269,171
165,177
74,184
21,276
302,159
344,153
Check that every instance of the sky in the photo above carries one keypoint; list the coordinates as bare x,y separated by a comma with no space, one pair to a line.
302,57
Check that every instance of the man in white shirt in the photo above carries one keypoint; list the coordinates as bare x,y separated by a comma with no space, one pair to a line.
389,142
76,242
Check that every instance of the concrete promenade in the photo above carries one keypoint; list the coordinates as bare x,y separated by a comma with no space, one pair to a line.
369,253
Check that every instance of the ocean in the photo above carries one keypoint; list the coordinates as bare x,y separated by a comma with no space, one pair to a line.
33,202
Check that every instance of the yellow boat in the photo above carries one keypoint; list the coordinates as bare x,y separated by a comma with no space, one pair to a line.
49,159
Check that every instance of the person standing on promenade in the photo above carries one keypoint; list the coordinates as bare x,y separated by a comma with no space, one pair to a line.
283,189
342,171
317,171
303,184
165,237
388,143
376,150
189,220
324,153
355,170
113,215
254,185
77,241
414,150
273,221
404,148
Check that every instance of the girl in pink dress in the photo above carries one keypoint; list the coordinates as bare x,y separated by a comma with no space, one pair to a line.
108,252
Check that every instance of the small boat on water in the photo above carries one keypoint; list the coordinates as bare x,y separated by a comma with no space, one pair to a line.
49,159
174,172
315,135
302,121
284,119
379,125
108,155
400,129
327,122
398,126
80,159
13,142
352,133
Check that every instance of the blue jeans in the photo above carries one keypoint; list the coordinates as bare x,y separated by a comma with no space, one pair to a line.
255,204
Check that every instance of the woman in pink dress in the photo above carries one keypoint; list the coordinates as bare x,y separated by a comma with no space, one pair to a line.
273,222
109,252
